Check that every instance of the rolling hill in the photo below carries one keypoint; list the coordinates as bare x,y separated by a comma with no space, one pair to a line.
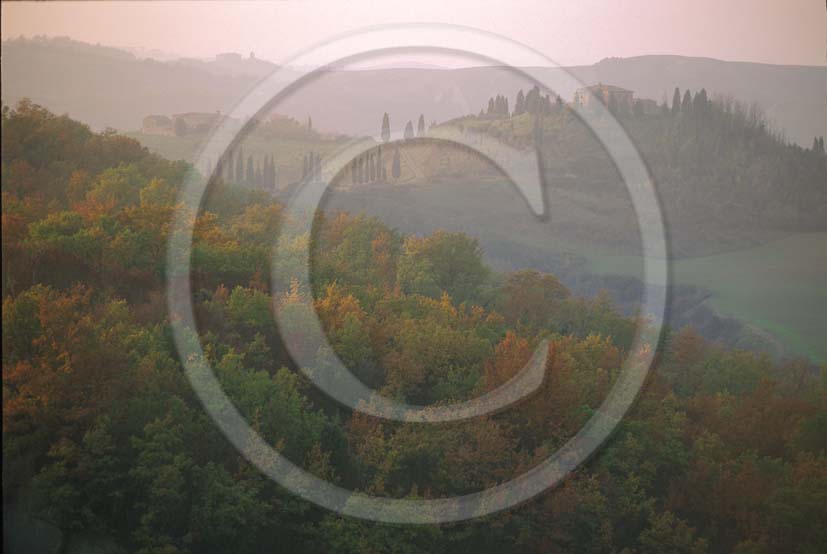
104,86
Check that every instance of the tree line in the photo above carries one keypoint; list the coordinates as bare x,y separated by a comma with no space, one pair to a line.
233,168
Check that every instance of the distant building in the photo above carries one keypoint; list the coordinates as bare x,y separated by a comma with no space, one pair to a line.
646,106
609,95
196,122
180,124
157,125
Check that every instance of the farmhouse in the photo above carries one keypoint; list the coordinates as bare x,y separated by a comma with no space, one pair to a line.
609,95
647,106
180,124
157,125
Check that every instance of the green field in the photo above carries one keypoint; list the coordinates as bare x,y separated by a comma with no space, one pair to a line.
779,287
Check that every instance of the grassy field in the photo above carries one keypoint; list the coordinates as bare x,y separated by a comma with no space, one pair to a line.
780,287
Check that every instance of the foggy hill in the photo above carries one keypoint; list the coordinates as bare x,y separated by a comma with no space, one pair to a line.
109,87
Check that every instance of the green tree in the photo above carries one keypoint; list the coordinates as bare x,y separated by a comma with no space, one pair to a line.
449,262
227,512
668,534
117,187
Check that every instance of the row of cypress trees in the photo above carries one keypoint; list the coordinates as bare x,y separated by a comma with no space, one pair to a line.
409,129
234,168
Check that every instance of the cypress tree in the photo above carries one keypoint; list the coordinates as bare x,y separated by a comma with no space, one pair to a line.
409,132
700,102
251,176
519,103
686,105
420,126
395,168
676,101
538,129
386,128
533,101
239,167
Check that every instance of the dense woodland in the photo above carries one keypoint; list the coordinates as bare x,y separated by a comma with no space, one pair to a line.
724,451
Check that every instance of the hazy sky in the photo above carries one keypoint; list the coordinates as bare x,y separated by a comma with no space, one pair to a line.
570,32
